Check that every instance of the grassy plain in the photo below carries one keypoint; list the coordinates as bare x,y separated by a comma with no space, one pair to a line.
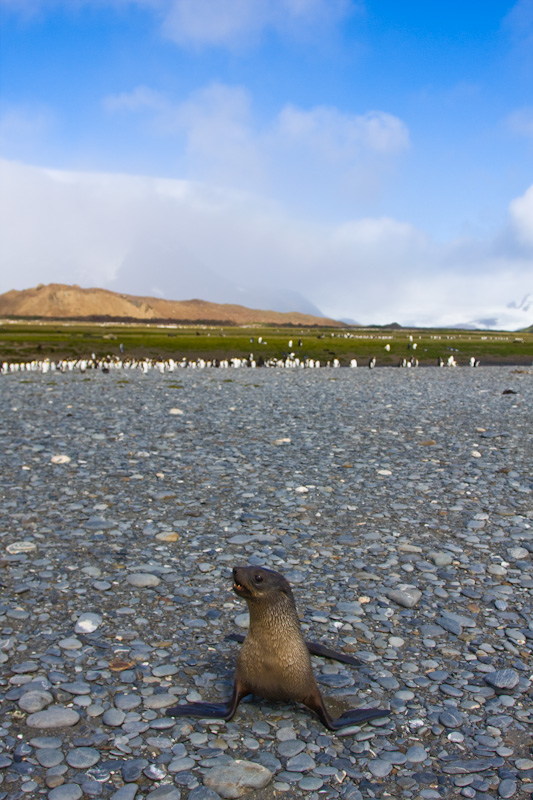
25,341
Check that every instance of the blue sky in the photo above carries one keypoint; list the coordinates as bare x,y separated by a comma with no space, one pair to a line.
373,160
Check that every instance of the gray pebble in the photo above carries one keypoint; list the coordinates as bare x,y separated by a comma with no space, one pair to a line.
408,597
301,763
507,788
165,792
127,702
53,717
181,764
291,747
502,678
87,622
416,753
310,783
143,579
47,757
52,742
35,701
237,778
451,718
126,792
68,791
379,767
203,793
82,757
132,769
113,717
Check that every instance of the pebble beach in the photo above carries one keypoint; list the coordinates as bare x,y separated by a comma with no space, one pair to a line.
398,504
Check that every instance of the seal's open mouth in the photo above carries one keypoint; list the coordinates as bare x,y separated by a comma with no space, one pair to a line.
238,588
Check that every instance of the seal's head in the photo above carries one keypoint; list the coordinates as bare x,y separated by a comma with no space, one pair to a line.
258,584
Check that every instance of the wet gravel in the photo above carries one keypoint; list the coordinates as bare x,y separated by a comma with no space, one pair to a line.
397,503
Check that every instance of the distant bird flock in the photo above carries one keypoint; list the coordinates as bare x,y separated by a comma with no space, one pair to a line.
146,365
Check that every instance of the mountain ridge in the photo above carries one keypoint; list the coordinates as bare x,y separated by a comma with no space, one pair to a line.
65,301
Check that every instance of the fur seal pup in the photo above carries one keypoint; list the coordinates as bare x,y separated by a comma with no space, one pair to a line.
274,660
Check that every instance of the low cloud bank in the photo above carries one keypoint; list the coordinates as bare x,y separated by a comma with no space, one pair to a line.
182,239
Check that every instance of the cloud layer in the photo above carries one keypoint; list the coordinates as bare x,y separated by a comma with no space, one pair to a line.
219,140
181,239
219,23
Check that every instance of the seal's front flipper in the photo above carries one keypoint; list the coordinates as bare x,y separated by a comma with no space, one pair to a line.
317,649
357,716
208,710
223,711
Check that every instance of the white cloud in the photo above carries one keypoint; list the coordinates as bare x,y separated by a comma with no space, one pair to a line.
141,98
234,22
187,239
212,129
521,214
302,154
521,122
23,127
342,137
519,20
217,22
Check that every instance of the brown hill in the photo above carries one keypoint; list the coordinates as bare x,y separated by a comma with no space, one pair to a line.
59,301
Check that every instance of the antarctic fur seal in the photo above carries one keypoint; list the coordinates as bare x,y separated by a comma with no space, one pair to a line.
274,660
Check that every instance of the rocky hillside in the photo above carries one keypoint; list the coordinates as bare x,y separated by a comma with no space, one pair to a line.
59,301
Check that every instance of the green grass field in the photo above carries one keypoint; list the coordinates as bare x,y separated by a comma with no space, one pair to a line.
25,341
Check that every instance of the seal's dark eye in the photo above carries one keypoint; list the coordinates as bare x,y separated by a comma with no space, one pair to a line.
258,578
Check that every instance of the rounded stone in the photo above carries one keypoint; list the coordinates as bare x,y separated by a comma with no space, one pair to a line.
67,791
53,717
132,769
20,547
49,757
291,747
35,701
113,717
78,688
237,778
451,719
502,678
523,764
25,667
407,597
181,764
301,763
507,788
46,742
416,753
164,670
310,783
160,701
203,793
379,767
71,643
167,536
126,792
87,622
143,579
127,702
82,757
165,792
